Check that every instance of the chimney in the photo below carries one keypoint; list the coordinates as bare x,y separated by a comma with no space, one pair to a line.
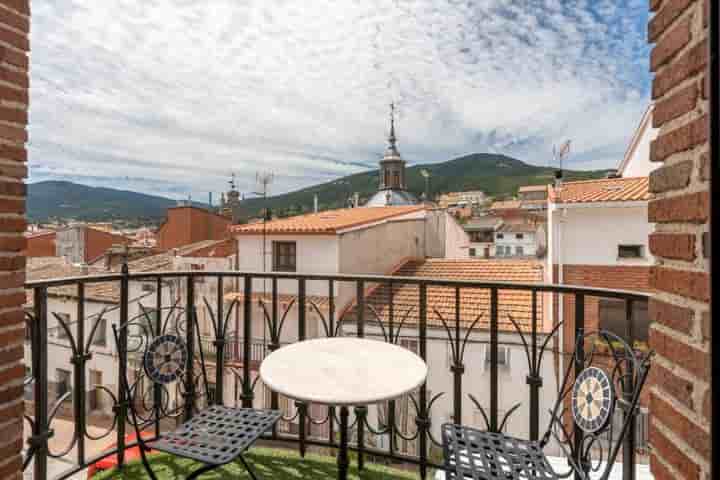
175,252
356,200
210,199
315,202
558,178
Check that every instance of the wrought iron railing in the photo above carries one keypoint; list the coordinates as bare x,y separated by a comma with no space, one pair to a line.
480,340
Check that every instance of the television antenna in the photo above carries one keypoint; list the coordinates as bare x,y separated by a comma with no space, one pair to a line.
426,175
560,153
263,181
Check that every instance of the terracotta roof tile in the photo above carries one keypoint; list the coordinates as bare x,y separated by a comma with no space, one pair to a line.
505,205
328,222
533,188
603,190
473,302
284,300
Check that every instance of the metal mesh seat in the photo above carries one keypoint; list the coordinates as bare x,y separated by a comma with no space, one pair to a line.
217,435
478,455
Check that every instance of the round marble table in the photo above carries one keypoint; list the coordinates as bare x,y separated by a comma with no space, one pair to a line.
343,372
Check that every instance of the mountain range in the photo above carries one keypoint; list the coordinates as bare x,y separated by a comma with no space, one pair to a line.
497,175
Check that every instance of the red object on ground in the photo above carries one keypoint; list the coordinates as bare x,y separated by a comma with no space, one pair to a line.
111,461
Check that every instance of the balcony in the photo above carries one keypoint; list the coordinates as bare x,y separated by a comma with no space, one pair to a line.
493,350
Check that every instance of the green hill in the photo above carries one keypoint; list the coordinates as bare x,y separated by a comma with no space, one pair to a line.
60,199
496,175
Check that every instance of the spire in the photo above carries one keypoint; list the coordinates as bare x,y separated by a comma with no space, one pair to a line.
391,138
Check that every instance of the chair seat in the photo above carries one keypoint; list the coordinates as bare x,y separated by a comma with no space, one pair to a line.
217,435
476,454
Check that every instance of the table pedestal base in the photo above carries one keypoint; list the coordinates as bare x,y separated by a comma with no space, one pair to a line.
343,461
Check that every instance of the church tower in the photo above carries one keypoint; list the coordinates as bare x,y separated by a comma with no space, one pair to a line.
392,186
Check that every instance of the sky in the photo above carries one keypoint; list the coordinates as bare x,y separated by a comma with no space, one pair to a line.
169,97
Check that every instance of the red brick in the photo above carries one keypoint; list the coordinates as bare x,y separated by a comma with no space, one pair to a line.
707,404
690,208
670,453
12,466
14,224
659,470
695,361
672,10
13,153
19,79
679,246
13,133
10,94
12,373
681,389
14,57
669,108
14,243
672,316
654,5
17,298
697,438
705,166
671,177
15,39
12,188
670,44
15,20
12,263
16,170
10,394
12,318
21,6
683,67
12,206
16,115
11,448
12,280
705,326
691,284
681,139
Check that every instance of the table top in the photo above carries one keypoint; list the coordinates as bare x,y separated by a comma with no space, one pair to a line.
343,371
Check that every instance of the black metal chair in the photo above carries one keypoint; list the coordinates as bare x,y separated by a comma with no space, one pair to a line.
602,382
215,435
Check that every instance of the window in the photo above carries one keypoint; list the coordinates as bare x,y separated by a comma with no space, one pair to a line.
519,251
148,287
500,235
499,251
60,332
100,338
503,356
508,250
63,382
519,236
613,318
284,256
630,251
472,252
409,343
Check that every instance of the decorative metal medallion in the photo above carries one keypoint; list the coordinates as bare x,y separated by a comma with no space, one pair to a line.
593,400
165,359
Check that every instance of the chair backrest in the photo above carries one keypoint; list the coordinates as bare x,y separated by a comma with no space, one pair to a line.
605,376
157,357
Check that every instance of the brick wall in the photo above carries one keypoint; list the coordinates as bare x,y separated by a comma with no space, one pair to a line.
186,225
679,392
98,242
14,45
42,245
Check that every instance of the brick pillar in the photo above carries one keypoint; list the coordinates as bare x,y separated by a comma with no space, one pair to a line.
680,385
14,45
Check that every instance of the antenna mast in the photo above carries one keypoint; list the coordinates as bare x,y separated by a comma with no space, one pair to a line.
263,181
559,154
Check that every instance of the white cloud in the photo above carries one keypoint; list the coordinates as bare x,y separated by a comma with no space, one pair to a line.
181,92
